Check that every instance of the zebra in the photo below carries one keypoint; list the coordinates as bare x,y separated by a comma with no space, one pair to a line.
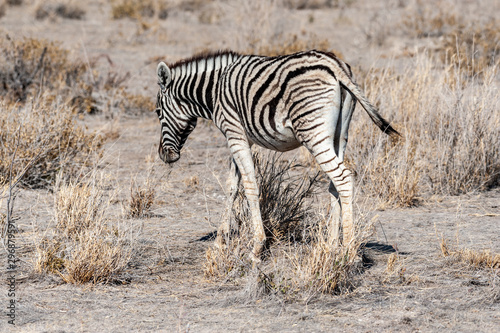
280,103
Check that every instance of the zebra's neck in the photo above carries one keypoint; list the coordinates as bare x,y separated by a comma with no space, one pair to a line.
194,81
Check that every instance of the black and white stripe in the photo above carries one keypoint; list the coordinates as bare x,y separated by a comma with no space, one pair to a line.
280,103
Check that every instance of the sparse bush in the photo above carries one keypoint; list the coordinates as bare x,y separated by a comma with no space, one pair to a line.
429,20
29,65
132,9
298,257
59,8
77,207
134,104
142,197
284,188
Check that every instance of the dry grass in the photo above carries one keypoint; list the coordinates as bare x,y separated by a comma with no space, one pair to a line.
83,247
470,257
42,90
450,134
298,259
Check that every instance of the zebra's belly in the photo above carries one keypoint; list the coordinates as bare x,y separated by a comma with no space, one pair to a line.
282,139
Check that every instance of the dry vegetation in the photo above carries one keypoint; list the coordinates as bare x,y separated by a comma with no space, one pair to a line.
83,246
472,258
443,98
298,259
68,9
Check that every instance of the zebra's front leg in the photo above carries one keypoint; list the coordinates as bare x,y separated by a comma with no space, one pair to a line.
243,158
233,181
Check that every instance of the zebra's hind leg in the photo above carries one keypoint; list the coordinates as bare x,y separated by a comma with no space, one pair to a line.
333,216
341,180
340,143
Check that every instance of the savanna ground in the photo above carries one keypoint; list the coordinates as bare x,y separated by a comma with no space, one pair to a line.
108,238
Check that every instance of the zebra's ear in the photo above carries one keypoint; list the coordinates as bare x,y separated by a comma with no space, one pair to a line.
164,76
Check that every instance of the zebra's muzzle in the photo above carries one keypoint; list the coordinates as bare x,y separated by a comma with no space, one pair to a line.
168,155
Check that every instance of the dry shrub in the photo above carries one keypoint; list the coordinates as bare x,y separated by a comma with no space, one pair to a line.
3,8
138,9
77,207
469,46
30,67
298,258
450,135
83,247
134,104
69,9
44,133
284,188
315,4
470,257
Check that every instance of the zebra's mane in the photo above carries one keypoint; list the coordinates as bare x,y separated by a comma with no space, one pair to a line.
202,59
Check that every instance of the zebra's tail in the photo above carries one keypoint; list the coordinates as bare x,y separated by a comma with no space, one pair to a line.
372,111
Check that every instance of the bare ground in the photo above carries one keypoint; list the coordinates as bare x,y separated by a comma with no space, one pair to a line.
164,288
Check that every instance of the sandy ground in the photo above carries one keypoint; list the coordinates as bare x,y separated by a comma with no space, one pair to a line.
166,289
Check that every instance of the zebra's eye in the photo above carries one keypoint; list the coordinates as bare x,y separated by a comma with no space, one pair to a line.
158,112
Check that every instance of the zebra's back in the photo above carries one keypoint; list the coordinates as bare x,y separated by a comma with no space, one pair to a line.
273,99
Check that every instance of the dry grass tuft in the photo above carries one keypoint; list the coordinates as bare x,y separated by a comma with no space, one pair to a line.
142,197
84,247
470,257
472,50
77,207
31,67
141,201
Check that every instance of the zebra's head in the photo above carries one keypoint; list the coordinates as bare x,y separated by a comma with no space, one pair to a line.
176,124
